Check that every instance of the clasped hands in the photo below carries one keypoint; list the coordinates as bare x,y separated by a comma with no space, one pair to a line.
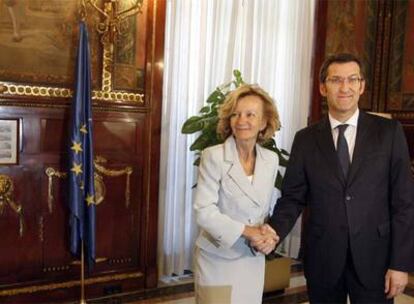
263,238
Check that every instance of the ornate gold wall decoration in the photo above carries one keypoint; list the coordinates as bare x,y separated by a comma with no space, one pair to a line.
113,173
114,17
56,268
100,188
6,199
111,23
106,94
109,28
97,260
119,261
51,173
26,90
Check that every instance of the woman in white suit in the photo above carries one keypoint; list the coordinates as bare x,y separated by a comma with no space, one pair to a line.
232,200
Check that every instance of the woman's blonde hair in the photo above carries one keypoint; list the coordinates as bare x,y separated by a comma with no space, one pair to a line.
270,113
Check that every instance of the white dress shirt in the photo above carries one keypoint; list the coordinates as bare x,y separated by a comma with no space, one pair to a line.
350,132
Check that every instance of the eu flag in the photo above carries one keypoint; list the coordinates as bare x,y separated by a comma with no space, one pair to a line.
81,170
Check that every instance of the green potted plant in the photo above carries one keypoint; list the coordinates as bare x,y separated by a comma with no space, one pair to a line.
206,124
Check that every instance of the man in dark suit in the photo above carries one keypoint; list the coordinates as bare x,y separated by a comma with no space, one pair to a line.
352,171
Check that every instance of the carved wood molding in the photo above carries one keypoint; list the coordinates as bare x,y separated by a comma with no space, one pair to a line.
69,284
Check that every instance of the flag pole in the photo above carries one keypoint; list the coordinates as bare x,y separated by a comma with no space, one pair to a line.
82,299
81,175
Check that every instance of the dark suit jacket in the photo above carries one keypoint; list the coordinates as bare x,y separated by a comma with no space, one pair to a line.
372,211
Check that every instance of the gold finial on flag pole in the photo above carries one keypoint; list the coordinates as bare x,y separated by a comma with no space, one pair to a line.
82,10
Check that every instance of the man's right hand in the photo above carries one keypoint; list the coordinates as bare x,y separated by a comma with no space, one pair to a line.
263,239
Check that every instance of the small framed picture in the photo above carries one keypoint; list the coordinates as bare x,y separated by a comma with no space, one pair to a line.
9,141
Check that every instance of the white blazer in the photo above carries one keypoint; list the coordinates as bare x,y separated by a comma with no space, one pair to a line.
225,200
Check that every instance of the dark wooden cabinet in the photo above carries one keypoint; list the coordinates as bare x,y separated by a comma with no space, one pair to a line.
35,264
379,32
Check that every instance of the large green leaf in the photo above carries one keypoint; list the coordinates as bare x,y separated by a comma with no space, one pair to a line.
210,120
192,125
239,80
237,74
200,143
205,109
215,97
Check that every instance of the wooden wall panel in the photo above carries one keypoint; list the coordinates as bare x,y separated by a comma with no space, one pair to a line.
400,78
379,33
357,21
115,136
53,135
126,143
21,255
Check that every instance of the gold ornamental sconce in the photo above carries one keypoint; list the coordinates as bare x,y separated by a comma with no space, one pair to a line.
6,199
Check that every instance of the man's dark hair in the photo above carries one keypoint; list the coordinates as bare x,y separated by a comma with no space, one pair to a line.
338,58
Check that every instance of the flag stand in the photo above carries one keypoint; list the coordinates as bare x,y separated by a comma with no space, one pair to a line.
82,282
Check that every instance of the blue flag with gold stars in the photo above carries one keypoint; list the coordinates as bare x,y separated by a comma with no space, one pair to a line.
81,173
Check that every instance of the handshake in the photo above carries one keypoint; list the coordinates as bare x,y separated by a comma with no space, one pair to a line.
263,238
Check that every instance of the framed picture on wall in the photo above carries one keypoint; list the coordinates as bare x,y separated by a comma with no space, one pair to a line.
46,35
9,141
